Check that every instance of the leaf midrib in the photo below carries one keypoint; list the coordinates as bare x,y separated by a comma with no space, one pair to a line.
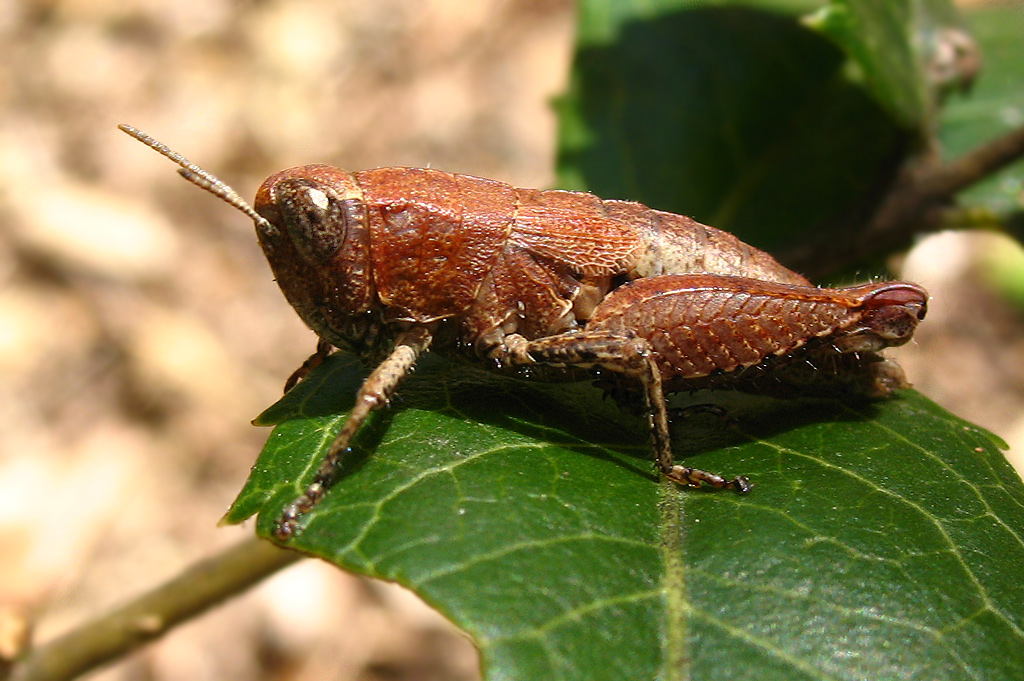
677,603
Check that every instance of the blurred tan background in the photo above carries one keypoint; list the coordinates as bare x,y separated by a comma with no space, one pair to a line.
140,329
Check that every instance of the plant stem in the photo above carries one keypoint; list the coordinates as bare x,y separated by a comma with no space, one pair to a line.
147,617
975,165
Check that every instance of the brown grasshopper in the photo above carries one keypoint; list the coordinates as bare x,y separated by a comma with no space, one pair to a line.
389,262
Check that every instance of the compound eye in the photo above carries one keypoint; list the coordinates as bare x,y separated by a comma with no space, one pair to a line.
313,219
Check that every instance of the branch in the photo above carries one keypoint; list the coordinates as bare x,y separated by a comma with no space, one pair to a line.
916,203
975,165
192,592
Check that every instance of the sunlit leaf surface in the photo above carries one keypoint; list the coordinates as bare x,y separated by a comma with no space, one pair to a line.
879,540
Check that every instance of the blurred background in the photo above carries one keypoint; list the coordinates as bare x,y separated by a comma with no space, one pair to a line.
141,331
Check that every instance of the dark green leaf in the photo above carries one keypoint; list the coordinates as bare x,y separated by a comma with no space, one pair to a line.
879,37
742,118
881,541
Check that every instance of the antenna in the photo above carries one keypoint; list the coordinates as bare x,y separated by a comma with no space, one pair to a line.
199,177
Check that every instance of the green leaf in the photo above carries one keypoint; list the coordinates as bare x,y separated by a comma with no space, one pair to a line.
742,118
879,37
994,106
881,541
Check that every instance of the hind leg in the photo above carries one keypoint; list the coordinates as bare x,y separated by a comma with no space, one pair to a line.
631,357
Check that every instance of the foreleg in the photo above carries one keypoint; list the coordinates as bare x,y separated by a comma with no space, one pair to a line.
373,394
